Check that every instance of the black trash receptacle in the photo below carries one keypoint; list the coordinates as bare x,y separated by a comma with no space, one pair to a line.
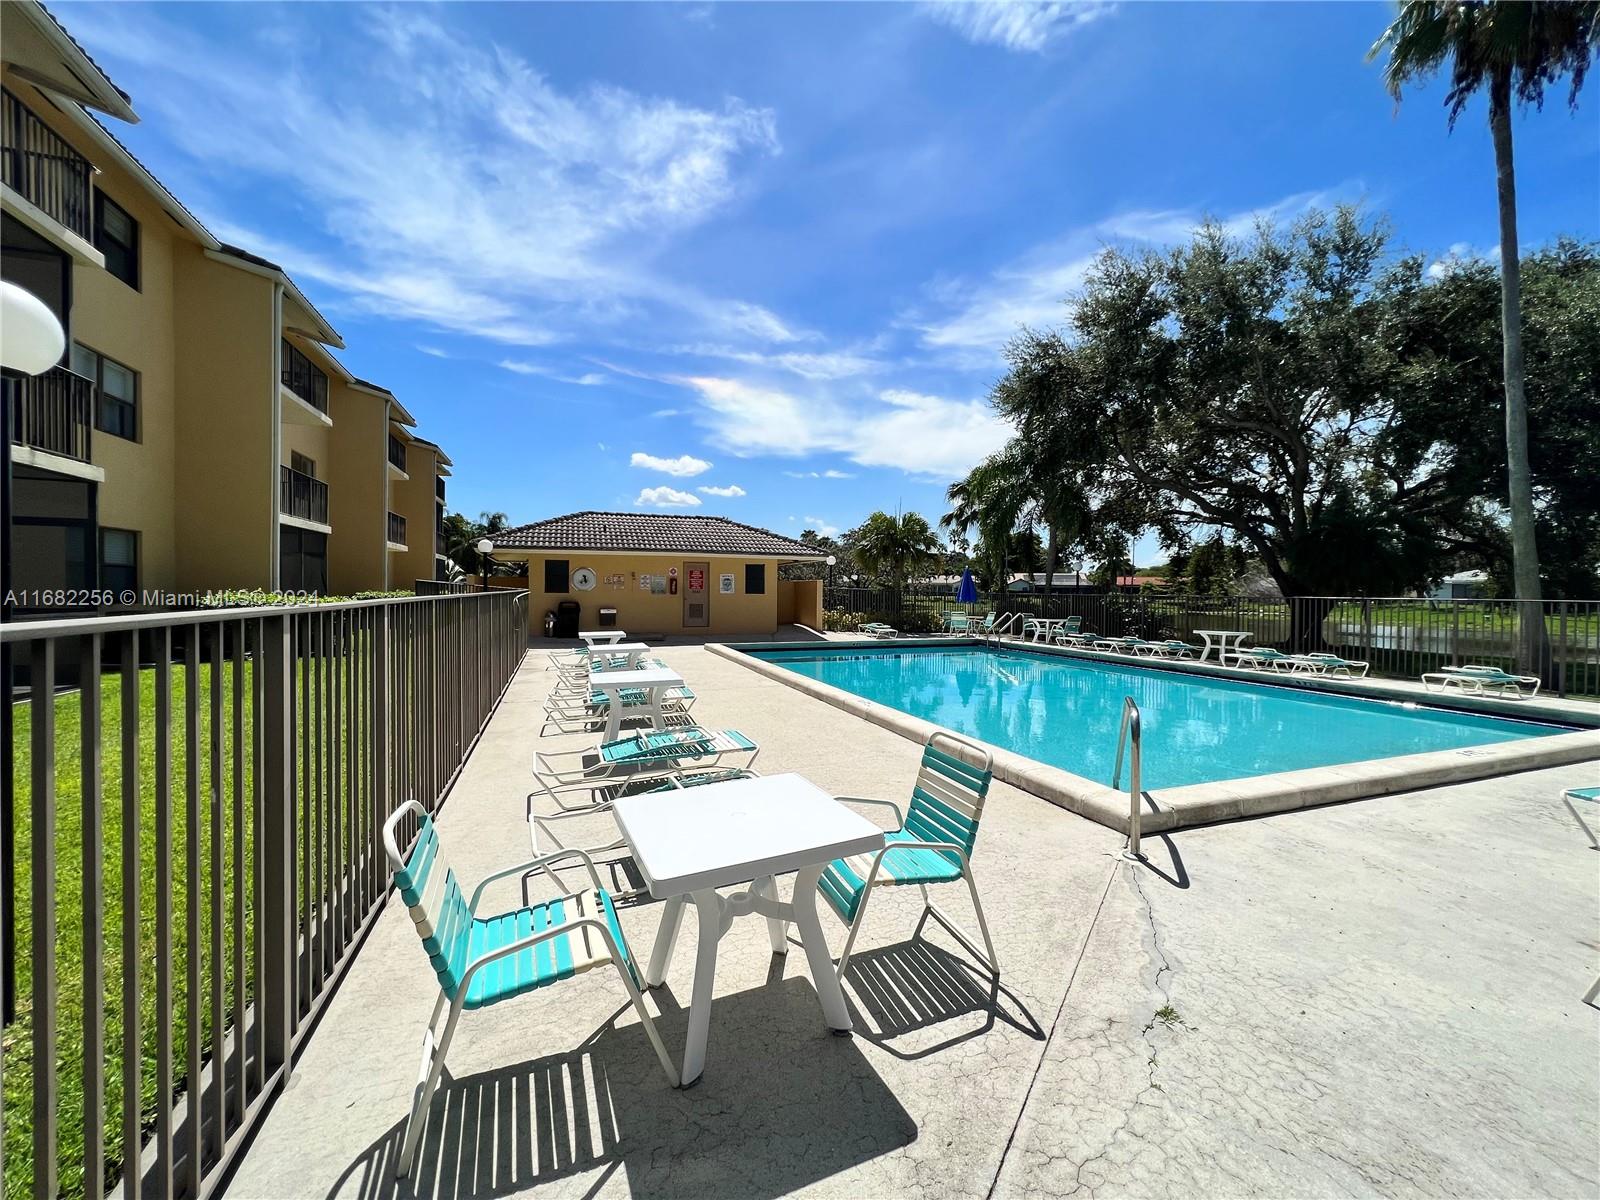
567,618
608,618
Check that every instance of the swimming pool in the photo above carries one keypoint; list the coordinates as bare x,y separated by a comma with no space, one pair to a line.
1066,712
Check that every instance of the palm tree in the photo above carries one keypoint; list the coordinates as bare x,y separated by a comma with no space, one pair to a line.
1512,48
896,547
991,498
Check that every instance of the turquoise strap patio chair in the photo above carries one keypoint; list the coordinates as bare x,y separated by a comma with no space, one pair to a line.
480,961
649,753
1265,658
932,843
574,711
1589,798
1333,664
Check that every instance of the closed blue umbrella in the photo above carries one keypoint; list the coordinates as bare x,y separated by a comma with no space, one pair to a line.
967,592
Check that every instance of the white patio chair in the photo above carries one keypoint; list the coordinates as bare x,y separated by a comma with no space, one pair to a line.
648,754
481,961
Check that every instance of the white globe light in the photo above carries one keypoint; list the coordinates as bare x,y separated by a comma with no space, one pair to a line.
485,546
832,560
31,339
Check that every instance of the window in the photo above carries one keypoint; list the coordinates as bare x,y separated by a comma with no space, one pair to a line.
755,579
119,560
302,463
116,235
555,574
116,390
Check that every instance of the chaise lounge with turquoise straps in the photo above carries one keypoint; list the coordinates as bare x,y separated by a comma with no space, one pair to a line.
480,961
930,844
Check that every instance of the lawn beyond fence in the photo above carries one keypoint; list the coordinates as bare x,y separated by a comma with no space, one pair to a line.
256,754
1400,636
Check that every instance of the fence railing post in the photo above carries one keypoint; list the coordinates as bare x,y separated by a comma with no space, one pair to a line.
277,844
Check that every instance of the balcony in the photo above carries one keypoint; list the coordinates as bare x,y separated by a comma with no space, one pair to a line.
438,543
397,532
397,454
304,378
44,169
53,412
438,488
301,496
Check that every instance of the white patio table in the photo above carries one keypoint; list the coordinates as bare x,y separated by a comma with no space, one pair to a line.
1223,639
634,650
656,681
602,636
689,843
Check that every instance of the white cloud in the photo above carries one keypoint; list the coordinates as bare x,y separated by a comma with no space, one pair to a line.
980,316
520,368
433,351
807,365
419,191
684,466
826,529
666,412
1023,25
666,497
733,489
830,473
923,435
1462,254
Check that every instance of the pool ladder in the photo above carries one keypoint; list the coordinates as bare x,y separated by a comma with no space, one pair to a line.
1000,628
1130,725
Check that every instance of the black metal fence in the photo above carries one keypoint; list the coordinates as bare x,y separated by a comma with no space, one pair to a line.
198,838
43,168
53,412
1400,636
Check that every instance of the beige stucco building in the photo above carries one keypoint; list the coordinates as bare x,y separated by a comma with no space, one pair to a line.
661,574
199,433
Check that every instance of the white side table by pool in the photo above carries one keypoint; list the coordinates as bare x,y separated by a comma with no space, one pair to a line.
591,637
688,843
1227,641
635,652
655,681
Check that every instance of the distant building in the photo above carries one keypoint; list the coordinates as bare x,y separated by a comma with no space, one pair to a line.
1463,585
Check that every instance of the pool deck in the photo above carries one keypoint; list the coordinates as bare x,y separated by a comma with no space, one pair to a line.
1207,803
1379,998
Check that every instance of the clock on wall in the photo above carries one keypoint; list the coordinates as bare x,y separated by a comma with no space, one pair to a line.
583,579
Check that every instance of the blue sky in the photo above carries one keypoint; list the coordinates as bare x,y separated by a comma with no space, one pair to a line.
760,260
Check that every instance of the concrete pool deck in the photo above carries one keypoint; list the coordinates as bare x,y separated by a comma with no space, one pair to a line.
1206,803
1377,998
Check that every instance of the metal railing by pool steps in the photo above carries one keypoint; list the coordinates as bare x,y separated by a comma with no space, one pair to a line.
1130,724
199,805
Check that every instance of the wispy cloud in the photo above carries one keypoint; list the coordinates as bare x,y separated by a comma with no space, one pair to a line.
418,186
921,434
977,317
732,490
666,412
1021,25
825,528
666,497
433,351
830,473
1462,254
840,364
518,367
684,466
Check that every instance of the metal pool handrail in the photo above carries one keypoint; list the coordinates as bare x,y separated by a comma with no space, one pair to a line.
1130,720
1000,628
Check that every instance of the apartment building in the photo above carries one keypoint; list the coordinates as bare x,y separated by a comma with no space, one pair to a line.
417,499
199,433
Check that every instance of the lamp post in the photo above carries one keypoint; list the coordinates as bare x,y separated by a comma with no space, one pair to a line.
485,549
31,342
830,560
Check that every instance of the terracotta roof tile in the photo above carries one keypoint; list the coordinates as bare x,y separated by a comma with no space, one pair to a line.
653,533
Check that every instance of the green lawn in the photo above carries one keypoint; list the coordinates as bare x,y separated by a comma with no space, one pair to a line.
70,948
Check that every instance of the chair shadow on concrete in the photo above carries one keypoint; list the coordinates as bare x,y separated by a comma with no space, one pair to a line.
915,985
781,1105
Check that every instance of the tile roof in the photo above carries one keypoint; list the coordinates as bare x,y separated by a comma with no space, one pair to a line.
653,533
67,33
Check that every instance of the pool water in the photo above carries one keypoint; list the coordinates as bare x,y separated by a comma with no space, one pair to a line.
1067,712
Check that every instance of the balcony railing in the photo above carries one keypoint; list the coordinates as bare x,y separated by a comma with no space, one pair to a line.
397,453
43,168
438,541
53,412
304,378
438,488
397,529
299,495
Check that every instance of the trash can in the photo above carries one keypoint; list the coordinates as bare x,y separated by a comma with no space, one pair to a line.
608,618
549,624
567,618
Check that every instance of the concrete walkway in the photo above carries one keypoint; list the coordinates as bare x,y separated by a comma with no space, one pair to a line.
1379,998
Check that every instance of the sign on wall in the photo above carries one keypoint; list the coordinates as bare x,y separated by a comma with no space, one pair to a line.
725,585
697,579
615,581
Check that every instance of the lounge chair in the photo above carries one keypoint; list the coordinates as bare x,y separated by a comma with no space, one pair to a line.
1478,680
1123,645
1264,658
877,629
572,711
1332,664
481,961
648,754
931,843
1173,648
